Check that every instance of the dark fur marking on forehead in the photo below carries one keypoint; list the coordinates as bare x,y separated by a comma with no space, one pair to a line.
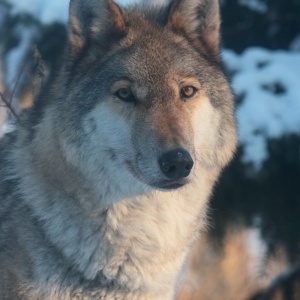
96,48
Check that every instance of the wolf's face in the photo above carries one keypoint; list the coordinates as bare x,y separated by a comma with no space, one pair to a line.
148,100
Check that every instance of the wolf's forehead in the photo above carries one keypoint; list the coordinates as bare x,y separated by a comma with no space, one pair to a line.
155,61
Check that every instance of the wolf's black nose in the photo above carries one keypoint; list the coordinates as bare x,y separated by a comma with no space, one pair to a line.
176,164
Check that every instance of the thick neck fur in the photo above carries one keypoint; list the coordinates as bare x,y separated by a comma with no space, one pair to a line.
137,243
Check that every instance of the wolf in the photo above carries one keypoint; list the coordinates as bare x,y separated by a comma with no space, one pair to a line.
105,182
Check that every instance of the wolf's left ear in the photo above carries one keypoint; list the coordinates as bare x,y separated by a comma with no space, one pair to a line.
93,20
199,20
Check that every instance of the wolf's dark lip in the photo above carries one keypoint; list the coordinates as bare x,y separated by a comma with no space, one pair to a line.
171,185
174,186
163,185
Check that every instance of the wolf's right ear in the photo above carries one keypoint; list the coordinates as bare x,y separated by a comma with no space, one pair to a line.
91,19
199,20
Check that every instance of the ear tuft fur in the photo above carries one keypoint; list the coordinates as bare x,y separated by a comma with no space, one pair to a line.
91,19
199,20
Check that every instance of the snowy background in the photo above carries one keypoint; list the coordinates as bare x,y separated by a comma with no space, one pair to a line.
261,188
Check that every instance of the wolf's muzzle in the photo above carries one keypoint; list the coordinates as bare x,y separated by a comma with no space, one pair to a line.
176,164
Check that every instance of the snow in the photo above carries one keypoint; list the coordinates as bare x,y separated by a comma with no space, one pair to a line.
269,82
46,12
16,57
256,5
257,250
295,45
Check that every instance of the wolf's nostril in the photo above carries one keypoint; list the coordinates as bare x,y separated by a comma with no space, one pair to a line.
176,164
172,169
188,167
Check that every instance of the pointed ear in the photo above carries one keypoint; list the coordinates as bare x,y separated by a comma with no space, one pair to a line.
92,19
199,20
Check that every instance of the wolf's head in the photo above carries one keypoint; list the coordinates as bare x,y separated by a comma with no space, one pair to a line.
142,95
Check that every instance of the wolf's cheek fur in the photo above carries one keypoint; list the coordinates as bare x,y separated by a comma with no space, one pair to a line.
109,132
108,138
212,150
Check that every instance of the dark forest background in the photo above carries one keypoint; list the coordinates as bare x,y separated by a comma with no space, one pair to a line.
271,194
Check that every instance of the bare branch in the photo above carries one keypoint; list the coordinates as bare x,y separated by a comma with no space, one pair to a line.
17,82
8,105
41,67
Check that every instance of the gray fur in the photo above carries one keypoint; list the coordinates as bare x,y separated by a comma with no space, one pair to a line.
85,212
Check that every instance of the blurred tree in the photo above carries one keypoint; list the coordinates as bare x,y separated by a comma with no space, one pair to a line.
273,28
268,199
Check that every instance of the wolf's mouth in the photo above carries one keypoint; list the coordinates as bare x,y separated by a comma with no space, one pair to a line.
171,185
164,185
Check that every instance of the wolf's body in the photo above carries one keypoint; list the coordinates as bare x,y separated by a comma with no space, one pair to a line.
105,182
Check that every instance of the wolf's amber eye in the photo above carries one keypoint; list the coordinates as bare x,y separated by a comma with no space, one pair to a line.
188,92
125,94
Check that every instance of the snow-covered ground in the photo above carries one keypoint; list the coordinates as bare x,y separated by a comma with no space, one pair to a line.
268,82
256,5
